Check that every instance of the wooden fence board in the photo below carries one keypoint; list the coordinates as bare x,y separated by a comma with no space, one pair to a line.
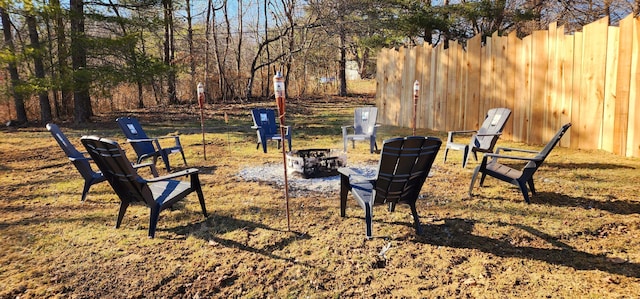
474,62
610,79
576,89
593,71
431,106
510,80
633,134
452,109
622,88
552,86
540,60
441,91
566,81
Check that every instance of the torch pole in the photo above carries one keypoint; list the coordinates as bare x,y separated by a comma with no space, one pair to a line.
278,84
201,103
416,89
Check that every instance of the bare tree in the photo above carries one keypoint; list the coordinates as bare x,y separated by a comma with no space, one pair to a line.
12,67
38,65
81,77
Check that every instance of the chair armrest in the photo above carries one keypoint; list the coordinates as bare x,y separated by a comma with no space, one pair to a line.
152,166
166,137
142,140
489,134
72,159
496,156
463,132
256,127
354,176
450,134
286,128
510,149
345,129
185,172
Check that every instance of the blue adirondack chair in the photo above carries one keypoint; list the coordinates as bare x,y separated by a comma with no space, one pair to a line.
79,160
146,147
267,128
403,168
158,193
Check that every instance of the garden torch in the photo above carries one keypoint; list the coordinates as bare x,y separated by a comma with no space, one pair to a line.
201,103
416,90
278,87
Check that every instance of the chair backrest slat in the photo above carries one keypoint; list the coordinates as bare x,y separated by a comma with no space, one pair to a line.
132,129
404,166
111,159
364,120
265,118
493,123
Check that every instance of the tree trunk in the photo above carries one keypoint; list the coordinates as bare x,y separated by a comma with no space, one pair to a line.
192,60
66,89
38,65
21,112
169,48
81,77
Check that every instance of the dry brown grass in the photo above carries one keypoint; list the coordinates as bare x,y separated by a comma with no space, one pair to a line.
578,238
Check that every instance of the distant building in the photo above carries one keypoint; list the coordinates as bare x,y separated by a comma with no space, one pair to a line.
352,70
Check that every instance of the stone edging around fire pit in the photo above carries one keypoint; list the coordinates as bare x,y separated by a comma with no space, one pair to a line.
274,173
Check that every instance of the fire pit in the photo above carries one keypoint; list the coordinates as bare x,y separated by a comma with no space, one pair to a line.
315,163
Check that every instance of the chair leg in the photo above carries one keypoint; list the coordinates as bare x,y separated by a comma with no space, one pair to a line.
183,158
165,159
465,156
85,189
195,183
531,186
289,142
344,191
372,144
446,152
416,219
473,180
153,220
123,208
525,191
368,214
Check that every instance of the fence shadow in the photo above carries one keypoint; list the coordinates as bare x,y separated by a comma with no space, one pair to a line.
457,233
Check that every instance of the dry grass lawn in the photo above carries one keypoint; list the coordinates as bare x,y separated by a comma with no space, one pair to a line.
579,238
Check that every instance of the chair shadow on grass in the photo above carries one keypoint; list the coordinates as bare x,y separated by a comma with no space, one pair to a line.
217,225
457,233
570,165
620,207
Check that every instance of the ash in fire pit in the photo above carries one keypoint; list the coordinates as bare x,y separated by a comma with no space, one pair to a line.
315,163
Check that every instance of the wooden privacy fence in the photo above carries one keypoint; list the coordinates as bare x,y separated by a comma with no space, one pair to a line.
548,78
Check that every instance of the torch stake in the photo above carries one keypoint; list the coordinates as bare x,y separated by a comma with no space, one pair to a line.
286,179
278,87
200,90
204,145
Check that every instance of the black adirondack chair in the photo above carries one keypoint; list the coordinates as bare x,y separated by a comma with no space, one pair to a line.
484,139
403,168
157,193
146,147
79,160
267,128
364,128
491,167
